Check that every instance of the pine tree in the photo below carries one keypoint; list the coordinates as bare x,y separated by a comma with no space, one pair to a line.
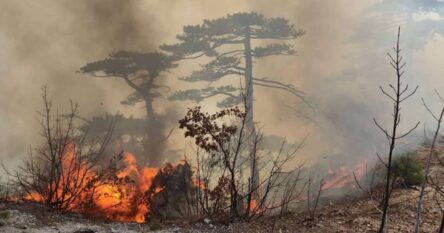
228,42
140,71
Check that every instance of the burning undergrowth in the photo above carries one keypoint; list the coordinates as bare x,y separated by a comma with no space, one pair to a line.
343,176
123,192
72,172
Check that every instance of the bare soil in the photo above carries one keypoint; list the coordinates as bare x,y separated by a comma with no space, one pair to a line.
348,215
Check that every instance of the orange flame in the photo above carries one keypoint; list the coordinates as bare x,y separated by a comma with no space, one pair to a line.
253,205
343,176
123,201
198,183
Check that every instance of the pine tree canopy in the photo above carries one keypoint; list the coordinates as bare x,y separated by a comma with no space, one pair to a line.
212,34
227,42
139,70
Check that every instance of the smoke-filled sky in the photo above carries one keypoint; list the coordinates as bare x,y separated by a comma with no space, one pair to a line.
341,62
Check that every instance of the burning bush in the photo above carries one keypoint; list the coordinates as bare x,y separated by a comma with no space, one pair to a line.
60,174
64,174
68,172
121,192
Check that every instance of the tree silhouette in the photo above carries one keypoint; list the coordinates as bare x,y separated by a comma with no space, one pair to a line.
140,71
228,41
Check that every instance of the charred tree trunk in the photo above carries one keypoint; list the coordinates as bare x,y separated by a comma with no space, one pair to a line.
152,144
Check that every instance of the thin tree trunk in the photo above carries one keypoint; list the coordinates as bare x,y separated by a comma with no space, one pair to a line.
249,105
152,146
426,173
392,140
400,96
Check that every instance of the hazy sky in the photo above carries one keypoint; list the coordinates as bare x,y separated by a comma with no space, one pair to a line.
340,64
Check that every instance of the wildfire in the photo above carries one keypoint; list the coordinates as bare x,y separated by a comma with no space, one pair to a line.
253,205
124,200
343,176
198,183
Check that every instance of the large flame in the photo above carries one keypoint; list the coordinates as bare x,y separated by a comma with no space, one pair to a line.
120,201
127,201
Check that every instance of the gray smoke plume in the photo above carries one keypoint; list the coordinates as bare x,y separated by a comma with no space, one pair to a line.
340,64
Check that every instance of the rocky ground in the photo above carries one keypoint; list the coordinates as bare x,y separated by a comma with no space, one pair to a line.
353,216
348,215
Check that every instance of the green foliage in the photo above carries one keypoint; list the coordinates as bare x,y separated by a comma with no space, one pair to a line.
409,168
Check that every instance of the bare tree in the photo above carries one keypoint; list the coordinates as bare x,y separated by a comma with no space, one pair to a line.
223,153
438,119
400,94
60,174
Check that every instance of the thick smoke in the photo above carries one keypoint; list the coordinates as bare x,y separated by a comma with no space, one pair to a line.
342,61
340,64
46,42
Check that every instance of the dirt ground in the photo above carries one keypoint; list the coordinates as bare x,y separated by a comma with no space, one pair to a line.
347,215
352,216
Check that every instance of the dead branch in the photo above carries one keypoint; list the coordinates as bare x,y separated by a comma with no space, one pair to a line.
429,158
